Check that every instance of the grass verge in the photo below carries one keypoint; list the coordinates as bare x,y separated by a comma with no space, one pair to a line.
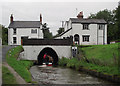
21,66
104,55
7,76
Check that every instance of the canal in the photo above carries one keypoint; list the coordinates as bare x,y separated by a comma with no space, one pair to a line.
60,75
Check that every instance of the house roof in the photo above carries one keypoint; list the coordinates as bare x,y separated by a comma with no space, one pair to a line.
24,24
91,21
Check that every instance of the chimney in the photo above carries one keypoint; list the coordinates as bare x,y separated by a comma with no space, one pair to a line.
40,18
11,18
80,15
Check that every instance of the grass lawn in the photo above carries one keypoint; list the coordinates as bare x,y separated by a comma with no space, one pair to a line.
21,66
7,76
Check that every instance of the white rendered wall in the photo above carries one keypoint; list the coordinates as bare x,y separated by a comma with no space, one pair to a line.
10,36
32,52
96,36
66,26
92,32
20,32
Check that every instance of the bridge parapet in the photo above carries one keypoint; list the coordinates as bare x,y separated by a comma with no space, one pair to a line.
65,42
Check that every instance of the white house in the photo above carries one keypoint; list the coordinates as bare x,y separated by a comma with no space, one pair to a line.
19,29
86,31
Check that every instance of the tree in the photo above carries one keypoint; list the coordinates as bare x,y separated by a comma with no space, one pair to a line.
46,33
60,30
4,35
109,17
117,16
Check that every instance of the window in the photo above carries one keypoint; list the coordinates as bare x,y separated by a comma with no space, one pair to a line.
101,26
14,31
34,31
86,38
14,40
85,26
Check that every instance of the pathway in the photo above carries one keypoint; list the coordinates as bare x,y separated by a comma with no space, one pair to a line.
5,49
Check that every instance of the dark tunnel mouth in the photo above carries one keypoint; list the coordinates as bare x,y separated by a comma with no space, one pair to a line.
50,52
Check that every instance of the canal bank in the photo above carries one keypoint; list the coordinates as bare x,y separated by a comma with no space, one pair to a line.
91,69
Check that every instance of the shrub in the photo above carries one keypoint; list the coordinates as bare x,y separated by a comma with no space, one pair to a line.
63,61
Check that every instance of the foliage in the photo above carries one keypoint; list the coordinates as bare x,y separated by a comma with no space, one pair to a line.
46,32
117,16
7,76
22,66
71,63
63,61
110,17
104,14
4,35
60,30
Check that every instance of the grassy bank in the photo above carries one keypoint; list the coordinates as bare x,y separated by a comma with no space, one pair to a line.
7,76
21,66
101,58
104,55
74,63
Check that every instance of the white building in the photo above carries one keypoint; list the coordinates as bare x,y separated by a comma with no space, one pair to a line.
19,29
86,31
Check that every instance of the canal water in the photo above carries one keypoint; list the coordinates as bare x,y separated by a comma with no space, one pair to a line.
59,75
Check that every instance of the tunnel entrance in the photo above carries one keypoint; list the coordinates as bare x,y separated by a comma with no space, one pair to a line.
49,52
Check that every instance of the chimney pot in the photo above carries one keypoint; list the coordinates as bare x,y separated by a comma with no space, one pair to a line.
40,18
11,18
80,15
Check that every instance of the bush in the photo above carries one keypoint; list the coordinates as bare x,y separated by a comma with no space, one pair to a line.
72,62
63,61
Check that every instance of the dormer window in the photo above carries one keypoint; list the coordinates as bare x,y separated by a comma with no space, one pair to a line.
14,31
101,26
34,31
85,26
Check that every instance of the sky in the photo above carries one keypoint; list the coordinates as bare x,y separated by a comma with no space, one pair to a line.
52,12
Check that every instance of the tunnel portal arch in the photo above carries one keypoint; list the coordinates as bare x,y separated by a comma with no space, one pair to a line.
50,52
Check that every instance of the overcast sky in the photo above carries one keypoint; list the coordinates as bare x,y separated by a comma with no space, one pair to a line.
52,12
